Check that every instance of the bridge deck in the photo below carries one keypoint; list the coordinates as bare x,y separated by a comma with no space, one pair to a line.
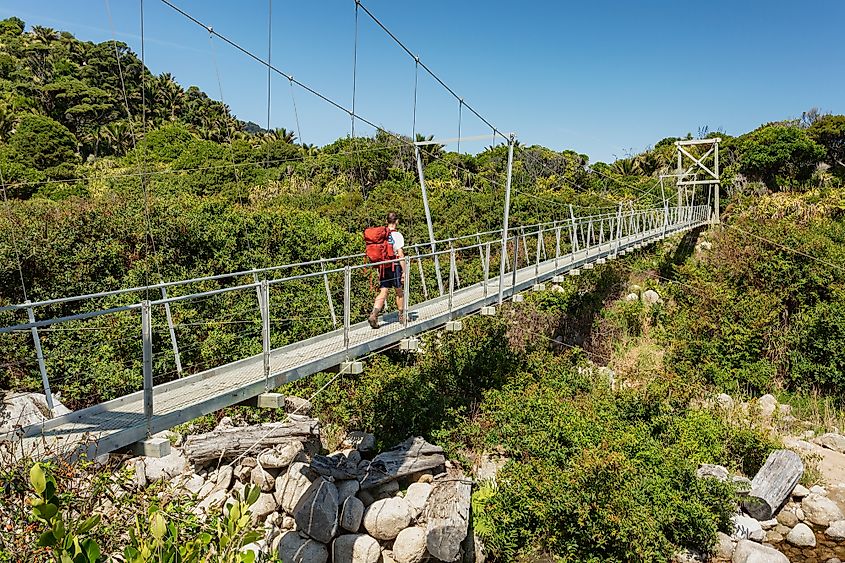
121,422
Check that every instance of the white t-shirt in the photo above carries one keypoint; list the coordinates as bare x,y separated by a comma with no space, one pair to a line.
397,240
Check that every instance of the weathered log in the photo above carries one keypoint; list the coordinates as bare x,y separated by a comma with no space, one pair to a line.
411,456
230,442
447,516
773,484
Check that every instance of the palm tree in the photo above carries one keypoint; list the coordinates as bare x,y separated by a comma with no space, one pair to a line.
280,134
430,152
310,149
172,95
118,136
44,35
623,166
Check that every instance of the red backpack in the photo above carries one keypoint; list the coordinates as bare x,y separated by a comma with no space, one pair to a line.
378,244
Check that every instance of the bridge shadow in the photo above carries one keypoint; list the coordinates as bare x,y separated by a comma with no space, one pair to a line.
682,252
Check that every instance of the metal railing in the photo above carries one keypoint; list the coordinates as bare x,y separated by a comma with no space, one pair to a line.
470,260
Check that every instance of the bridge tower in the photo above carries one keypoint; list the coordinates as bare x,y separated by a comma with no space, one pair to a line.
700,170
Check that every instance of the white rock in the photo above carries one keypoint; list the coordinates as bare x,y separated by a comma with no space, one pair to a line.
355,548
769,524
288,523
651,297
19,410
384,519
263,479
417,496
746,527
819,490
194,484
387,556
281,456
293,548
767,405
831,441
558,289
351,514
800,491
718,472
802,536
346,489
212,503
263,507
316,511
724,546
836,530
291,485
632,297
410,546
167,467
799,512
820,510
749,552
725,401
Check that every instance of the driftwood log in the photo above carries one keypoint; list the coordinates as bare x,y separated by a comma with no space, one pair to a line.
773,484
411,456
447,516
230,442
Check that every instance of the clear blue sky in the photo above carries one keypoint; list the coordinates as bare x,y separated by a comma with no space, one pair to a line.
601,77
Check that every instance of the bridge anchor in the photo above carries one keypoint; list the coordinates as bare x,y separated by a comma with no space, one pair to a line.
518,298
454,326
489,311
151,447
410,344
351,367
539,287
266,401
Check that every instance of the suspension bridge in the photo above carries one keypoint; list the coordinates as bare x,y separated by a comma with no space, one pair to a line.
445,280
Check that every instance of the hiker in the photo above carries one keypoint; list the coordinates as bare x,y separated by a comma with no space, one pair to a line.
386,243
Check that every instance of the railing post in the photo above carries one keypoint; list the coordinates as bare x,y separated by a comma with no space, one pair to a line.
451,278
537,261
575,245
515,262
505,219
557,247
39,353
406,287
347,290
328,293
265,331
176,356
422,278
486,268
618,228
147,364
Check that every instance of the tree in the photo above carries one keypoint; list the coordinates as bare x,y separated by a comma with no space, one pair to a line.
12,26
829,132
778,154
43,143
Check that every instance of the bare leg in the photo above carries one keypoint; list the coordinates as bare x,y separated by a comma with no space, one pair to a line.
400,302
377,307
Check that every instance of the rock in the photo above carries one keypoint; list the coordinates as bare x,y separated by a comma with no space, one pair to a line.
361,441
717,472
316,511
746,527
355,548
801,536
194,484
650,297
800,491
293,548
489,466
417,496
351,514
689,556
346,489
819,490
291,485
212,503
831,441
836,530
243,473
820,510
138,479
558,289
386,490
787,518
724,546
632,297
749,552
353,456
807,435
262,479
782,530
297,405
263,507
410,546
773,536
833,560
769,524
288,523
384,519
767,405
19,410
223,478
799,512
282,455
165,468
387,556
366,497
725,402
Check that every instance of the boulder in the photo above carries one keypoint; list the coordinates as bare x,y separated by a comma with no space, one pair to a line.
351,514
165,468
718,472
632,297
745,527
410,546
836,530
316,511
355,548
346,489
297,405
293,548
417,496
384,519
650,297
19,410
766,405
802,536
831,441
291,485
193,484
263,507
724,546
820,510
725,402
262,479
281,456
749,552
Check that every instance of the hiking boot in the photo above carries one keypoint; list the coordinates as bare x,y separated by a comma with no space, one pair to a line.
373,318
401,317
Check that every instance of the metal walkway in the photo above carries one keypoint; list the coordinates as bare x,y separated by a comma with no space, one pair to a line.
121,422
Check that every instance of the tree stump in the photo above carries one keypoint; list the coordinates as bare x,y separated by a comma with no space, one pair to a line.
773,484
447,516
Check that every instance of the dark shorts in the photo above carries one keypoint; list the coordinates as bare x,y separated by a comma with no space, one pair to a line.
390,277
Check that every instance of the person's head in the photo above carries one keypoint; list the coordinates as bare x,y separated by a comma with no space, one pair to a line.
392,219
